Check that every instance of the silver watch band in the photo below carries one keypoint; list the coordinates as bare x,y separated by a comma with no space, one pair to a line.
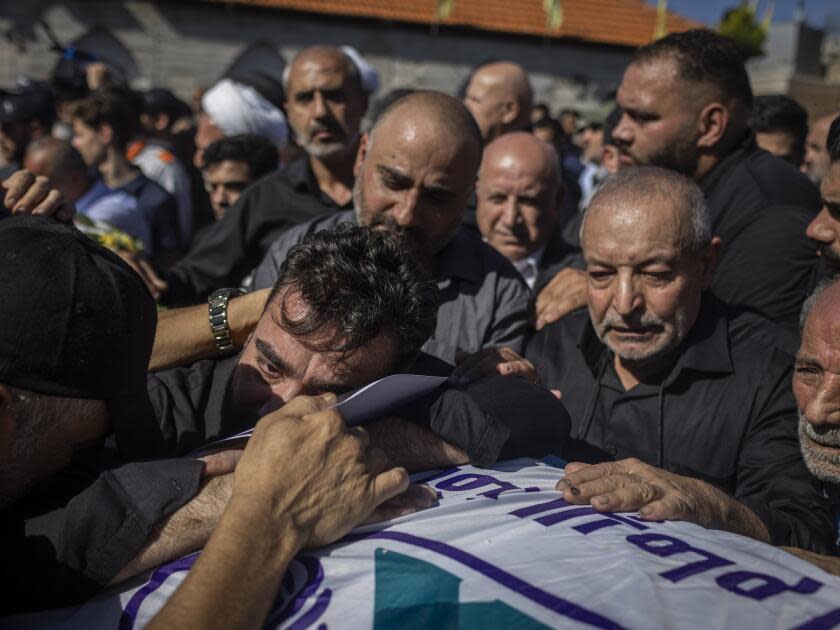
217,314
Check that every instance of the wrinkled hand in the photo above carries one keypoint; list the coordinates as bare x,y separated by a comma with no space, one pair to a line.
564,293
314,472
30,194
490,362
630,485
157,285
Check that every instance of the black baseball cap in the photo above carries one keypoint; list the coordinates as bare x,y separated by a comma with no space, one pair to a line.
27,101
75,321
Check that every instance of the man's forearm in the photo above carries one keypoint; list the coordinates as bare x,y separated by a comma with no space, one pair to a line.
186,530
826,563
413,447
184,336
734,516
235,580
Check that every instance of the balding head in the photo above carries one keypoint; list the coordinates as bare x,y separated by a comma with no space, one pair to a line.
816,162
648,259
623,200
324,58
325,102
61,163
416,168
816,385
519,192
500,97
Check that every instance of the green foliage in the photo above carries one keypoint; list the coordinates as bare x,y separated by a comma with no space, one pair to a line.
742,25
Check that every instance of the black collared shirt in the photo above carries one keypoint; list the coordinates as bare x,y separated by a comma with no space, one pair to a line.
760,207
724,413
228,250
71,534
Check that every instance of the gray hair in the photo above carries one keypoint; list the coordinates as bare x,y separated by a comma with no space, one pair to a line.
641,182
352,70
811,300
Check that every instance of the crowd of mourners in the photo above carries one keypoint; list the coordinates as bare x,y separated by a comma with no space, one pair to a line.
652,297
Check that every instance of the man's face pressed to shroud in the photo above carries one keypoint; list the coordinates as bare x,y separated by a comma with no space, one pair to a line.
275,366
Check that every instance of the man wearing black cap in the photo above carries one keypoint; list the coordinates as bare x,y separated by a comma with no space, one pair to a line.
76,335
26,113
75,342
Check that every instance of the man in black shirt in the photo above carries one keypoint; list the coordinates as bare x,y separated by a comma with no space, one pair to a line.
686,100
659,377
91,516
816,385
77,334
825,228
325,103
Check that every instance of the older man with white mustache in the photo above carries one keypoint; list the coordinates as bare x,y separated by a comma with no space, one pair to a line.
816,385
681,407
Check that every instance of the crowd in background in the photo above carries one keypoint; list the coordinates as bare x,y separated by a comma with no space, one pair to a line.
650,268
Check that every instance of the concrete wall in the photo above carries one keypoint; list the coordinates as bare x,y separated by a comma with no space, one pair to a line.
183,45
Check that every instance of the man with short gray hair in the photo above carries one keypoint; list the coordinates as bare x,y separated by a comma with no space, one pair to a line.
326,99
694,410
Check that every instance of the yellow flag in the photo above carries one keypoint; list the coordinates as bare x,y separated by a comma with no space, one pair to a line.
660,30
444,8
767,20
554,13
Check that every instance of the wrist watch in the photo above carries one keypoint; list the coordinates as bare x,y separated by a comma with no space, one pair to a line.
217,313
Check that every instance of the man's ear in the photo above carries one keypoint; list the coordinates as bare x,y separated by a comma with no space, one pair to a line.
105,133
361,154
711,257
711,125
510,112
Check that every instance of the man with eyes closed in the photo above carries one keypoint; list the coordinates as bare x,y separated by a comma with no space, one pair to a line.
679,409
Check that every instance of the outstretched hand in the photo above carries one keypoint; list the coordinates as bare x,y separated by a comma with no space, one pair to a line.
630,485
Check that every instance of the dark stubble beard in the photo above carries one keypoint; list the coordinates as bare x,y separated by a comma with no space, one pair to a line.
411,238
681,156
830,261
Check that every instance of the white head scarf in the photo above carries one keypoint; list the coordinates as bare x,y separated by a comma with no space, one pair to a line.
238,108
370,77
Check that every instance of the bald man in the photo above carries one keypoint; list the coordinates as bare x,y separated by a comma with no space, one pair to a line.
500,98
61,163
519,193
816,162
414,173
325,102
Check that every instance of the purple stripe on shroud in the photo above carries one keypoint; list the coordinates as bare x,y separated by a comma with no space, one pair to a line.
313,614
529,591
129,614
823,622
